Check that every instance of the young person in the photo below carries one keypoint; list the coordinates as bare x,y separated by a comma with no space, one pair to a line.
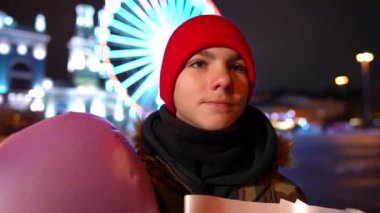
206,139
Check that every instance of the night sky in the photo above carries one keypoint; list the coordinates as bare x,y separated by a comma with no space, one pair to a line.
299,45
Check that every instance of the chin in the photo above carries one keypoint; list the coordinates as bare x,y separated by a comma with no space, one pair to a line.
216,125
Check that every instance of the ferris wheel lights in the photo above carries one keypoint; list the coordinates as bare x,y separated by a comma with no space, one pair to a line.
128,53
105,54
159,101
137,76
140,13
134,7
211,9
119,89
179,7
197,2
130,30
146,5
93,63
110,85
158,47
102,34
133,20
133,47
122,41
187,10
148,83
107,67
162,18
132,65
105,18
112,5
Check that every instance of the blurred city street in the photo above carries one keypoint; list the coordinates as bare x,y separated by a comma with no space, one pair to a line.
339,170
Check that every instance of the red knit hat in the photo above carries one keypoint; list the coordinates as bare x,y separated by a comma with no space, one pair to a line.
194,35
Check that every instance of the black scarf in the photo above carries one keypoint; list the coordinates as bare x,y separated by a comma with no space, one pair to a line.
213,162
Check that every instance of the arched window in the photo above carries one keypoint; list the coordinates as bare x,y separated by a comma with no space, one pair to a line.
21,67
21,77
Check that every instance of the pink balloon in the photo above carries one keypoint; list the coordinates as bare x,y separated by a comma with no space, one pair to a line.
72,163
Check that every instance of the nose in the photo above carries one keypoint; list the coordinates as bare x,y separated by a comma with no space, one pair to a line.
220,78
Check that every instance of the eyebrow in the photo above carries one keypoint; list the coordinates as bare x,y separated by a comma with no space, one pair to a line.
210,55
206,54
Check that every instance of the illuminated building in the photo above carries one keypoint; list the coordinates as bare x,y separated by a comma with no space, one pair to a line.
83,64
25,90
22,54
22,71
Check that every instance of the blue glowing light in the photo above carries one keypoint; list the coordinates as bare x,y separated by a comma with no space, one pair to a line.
133,36
3,89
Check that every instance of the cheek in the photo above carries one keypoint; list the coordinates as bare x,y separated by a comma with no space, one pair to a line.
187,83
241,86
182,91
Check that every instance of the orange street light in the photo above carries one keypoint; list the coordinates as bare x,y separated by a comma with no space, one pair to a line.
364,59
341,80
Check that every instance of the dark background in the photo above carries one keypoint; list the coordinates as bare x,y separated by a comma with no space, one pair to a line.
298,45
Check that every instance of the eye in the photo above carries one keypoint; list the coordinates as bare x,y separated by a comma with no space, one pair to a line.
198,64
238,67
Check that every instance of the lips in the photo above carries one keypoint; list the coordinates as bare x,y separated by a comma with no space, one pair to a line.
219,103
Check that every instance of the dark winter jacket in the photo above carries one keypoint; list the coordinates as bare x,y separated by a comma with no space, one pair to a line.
171,185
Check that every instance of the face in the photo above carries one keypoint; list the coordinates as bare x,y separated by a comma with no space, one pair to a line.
212,90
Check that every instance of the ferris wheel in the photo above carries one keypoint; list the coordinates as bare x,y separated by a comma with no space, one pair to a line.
133,35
